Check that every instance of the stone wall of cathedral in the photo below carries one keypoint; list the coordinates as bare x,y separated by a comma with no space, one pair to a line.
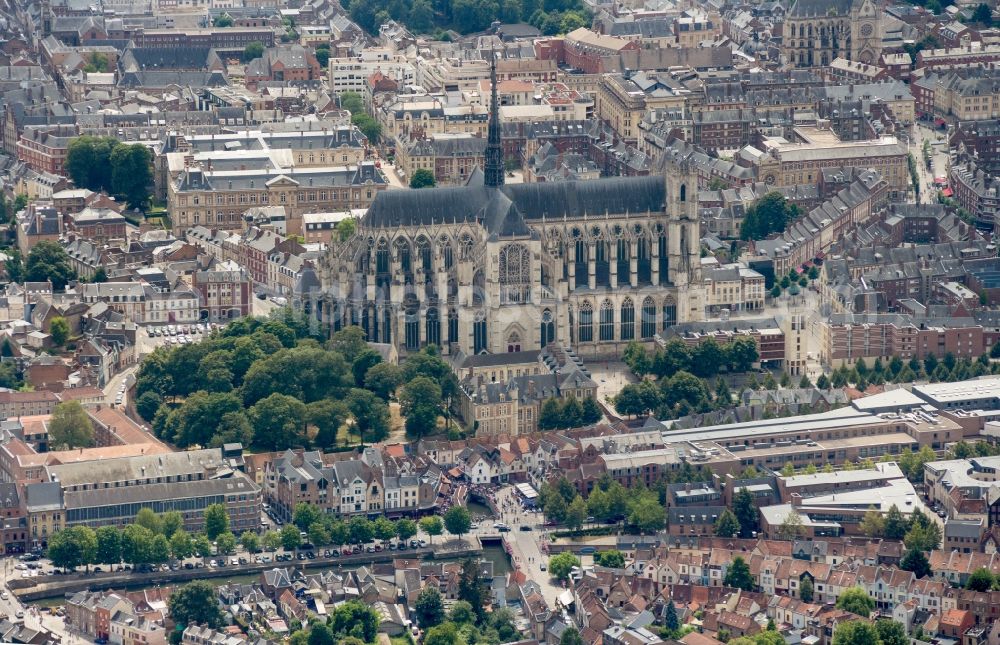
592,283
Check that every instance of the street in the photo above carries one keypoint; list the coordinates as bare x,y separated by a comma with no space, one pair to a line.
939,160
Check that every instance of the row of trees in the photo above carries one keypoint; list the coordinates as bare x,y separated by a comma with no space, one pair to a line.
369,127
640,508
269,383
672,397
105,164
556,413
946,369
468,16
151,539
324,529
704,360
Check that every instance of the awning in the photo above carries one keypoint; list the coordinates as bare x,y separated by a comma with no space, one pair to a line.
947,192
566,598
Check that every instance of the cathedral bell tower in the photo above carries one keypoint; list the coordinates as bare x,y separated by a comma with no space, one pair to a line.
683,229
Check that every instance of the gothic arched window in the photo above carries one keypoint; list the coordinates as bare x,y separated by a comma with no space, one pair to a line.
548,328
648,318
669,312
515,273
607,320
586,322
628,320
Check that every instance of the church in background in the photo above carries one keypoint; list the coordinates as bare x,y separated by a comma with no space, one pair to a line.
494,268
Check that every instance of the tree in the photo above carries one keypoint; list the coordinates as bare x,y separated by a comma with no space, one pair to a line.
806,589
746,512
364,361
354,618
148,518
891,633
422,178
384,528
670,620
571,636
48,261
727,525
137,544
109,545
429,607
271,540
791,528
290,538
738,575
225,543
895,524
70,426
320,635
420,403
383,379
132,173
576,514
202,545
216,521
278,422
431,525
405,529
225,20
305,515
195,604
648,515
983,15
612,559
250,542
980,580
318,534
361,530
88,162
59,329
457,520
72,547
371,415
855,632
181,545
769,214
923,537
346,228
590,411
872,524
561,564
443,634
857,601
147,403
253,50
916,561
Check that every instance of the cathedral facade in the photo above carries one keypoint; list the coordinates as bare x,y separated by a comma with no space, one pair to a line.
816,32
491,268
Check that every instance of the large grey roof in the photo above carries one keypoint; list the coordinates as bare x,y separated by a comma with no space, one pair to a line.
503,212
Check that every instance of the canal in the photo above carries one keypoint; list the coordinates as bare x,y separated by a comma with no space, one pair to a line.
491,552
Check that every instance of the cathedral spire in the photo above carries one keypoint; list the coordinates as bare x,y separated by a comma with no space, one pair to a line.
494,168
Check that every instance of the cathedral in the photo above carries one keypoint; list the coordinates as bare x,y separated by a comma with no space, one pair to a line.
816,32
493,268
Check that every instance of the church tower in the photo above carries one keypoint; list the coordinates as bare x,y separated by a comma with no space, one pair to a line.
494,167
866,31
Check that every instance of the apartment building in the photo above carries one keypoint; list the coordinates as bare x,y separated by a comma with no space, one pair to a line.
623,99
44,148
351,74
225,292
